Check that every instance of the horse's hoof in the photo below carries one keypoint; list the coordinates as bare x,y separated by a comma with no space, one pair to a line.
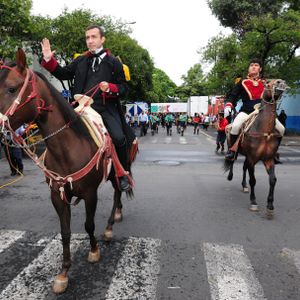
270,214
60,284
107,236
118,217
229,177
253,207
245,190
94,256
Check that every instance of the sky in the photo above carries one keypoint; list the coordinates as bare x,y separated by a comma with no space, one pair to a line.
173,31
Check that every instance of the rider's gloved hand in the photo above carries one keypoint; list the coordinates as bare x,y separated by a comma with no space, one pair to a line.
228,109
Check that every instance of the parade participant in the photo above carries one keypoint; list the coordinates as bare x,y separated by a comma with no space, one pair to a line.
143,123
221,137
196,121
282,117
98,67
250,90
182,122
13,153
169,119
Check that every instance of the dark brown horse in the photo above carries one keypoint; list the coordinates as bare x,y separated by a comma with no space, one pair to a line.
260,143
27,97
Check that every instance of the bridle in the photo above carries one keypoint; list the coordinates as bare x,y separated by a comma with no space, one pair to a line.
275,87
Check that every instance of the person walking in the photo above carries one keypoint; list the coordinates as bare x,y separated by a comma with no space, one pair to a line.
221,137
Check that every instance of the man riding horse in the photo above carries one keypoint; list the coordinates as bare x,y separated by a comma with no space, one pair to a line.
98,67
250,90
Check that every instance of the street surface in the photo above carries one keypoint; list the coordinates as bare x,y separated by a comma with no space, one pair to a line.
187,234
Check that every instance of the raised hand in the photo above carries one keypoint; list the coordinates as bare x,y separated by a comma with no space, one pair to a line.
46,49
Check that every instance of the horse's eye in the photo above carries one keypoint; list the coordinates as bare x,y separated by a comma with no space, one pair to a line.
12,90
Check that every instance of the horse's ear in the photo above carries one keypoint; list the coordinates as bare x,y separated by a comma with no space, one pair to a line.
21,59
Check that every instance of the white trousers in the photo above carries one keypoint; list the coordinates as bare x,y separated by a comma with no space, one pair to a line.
242,117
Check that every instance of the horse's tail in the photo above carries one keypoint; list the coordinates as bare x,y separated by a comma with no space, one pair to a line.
130,194
227,165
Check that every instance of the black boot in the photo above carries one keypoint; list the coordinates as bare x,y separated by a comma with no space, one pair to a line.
123,157
277,160
230,155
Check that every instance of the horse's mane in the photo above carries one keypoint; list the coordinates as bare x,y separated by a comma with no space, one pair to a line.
67,110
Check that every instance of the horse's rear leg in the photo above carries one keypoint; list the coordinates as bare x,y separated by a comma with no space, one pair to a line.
272,182
90,208
244,182
116,213
252,182
64,212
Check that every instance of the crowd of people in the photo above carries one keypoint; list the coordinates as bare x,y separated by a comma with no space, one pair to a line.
147,120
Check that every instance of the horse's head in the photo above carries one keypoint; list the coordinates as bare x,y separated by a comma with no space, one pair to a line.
274,89
16,91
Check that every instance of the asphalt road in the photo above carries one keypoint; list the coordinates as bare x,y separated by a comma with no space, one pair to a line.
187,234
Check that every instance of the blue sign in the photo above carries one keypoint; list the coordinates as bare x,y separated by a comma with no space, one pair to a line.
66,93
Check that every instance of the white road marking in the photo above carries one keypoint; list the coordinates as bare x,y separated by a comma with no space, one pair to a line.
230,273
137,270
182,140
168,140
154,141
34,282
294,255
8,237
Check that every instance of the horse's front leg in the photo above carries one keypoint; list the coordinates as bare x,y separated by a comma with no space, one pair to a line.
64,212
272,182
116,212
244,182
252,182
90,200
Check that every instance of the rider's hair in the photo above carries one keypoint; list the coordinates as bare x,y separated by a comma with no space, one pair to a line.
101,30
255,61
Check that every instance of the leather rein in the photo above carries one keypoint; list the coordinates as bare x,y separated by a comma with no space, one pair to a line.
40,103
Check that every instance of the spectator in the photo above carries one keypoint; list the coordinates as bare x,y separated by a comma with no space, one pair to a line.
282,117
221,137
13,153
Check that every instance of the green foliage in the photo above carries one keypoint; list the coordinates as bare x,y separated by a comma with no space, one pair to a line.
193,83
14,26
271,33
163,87
137,59
237,13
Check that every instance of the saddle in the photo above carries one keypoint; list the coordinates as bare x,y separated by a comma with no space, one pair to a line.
244,129
91,118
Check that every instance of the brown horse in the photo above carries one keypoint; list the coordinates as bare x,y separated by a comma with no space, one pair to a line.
27,97
260,143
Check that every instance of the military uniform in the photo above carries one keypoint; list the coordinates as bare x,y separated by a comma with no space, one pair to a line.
88,70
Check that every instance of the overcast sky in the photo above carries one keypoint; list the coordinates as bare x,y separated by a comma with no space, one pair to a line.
171,30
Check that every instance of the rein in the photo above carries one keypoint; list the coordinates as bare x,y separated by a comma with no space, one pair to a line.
18,140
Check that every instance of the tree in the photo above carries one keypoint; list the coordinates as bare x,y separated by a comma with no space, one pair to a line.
66,33
237,13
193,83
14,26
273,36
163,87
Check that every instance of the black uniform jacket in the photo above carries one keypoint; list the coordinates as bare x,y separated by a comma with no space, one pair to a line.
250,91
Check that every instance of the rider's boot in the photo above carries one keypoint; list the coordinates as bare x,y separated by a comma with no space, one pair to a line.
124,181
230,155
276,157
